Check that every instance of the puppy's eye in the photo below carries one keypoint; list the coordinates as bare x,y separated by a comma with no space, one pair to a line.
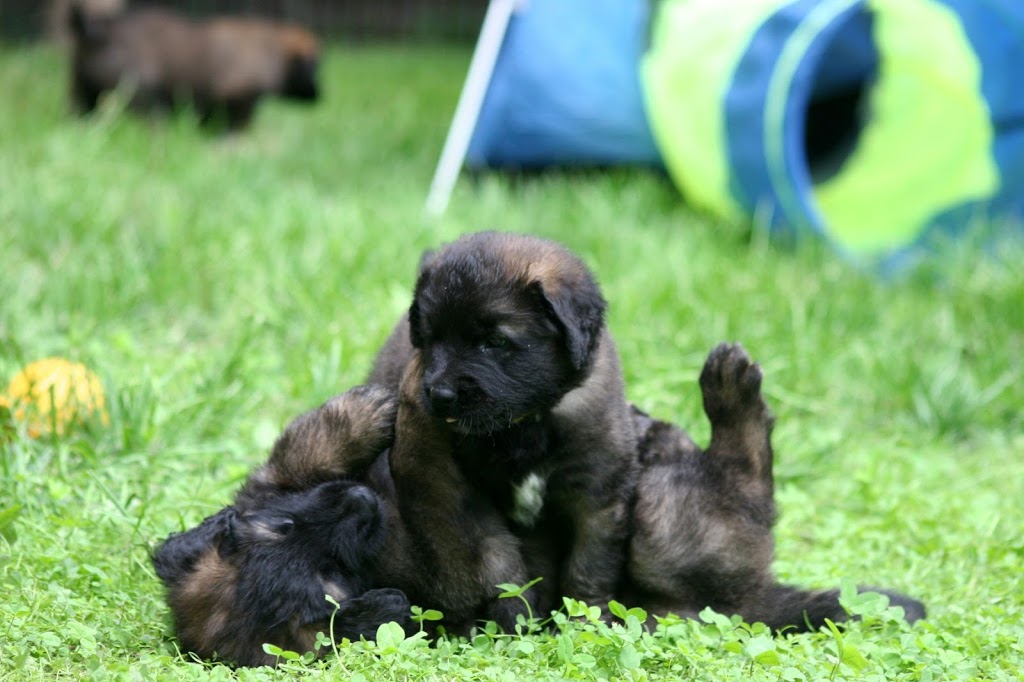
283,526
495,341
267,527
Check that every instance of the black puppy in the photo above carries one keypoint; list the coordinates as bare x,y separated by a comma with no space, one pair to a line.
512,414
258,571
241,580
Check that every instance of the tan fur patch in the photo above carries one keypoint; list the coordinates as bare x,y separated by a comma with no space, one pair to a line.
265,476
211,579
549,273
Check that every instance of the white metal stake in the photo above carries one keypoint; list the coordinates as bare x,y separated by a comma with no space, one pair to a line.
485,55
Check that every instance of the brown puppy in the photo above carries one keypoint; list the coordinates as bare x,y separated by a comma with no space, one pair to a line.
301,527
512,425
222,67
702,519
246,59
152,53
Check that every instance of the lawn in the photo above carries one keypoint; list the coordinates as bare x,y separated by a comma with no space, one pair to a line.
220,287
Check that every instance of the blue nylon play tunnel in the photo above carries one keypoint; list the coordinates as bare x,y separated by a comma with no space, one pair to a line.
876,123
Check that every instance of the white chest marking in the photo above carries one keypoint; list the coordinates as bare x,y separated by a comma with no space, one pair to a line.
529,499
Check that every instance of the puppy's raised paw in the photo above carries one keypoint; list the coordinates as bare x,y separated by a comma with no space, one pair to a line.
731,385
366,414
340,438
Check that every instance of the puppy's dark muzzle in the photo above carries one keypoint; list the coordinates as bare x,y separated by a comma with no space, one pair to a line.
307,94
345,498
363,500
441,400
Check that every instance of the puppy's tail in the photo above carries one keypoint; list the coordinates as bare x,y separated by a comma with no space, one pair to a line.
789,608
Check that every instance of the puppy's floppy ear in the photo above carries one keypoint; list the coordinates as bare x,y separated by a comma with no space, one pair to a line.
415,332
426,259
415,335
579,312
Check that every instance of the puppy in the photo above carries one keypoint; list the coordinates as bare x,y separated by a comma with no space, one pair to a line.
257,571
240,580
512,417
246,59
151,53
222,67
702,521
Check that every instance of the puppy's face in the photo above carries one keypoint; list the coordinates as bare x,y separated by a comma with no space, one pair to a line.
302,52
326,537
281,557
506,325
249,576
300,80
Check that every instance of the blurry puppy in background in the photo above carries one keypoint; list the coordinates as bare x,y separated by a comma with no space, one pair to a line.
249,58
315,520
222,67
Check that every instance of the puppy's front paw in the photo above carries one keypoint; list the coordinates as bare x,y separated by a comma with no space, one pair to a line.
373,416
366,418
361,616
506,612
731,384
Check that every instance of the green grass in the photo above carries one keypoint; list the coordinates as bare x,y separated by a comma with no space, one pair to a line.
220,287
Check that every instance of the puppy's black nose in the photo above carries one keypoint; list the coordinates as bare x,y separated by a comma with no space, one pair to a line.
441,397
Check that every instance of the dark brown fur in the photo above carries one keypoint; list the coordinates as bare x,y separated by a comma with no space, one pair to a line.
222,67
509,374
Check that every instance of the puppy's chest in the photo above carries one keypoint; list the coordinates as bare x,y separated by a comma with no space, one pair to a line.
509,467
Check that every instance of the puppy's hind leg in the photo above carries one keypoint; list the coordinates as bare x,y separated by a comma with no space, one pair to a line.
784,607
84,94
741,423
788,608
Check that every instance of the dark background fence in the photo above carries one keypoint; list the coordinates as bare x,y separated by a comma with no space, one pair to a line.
357,20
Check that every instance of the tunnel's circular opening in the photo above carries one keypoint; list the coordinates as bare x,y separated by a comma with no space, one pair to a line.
837,106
